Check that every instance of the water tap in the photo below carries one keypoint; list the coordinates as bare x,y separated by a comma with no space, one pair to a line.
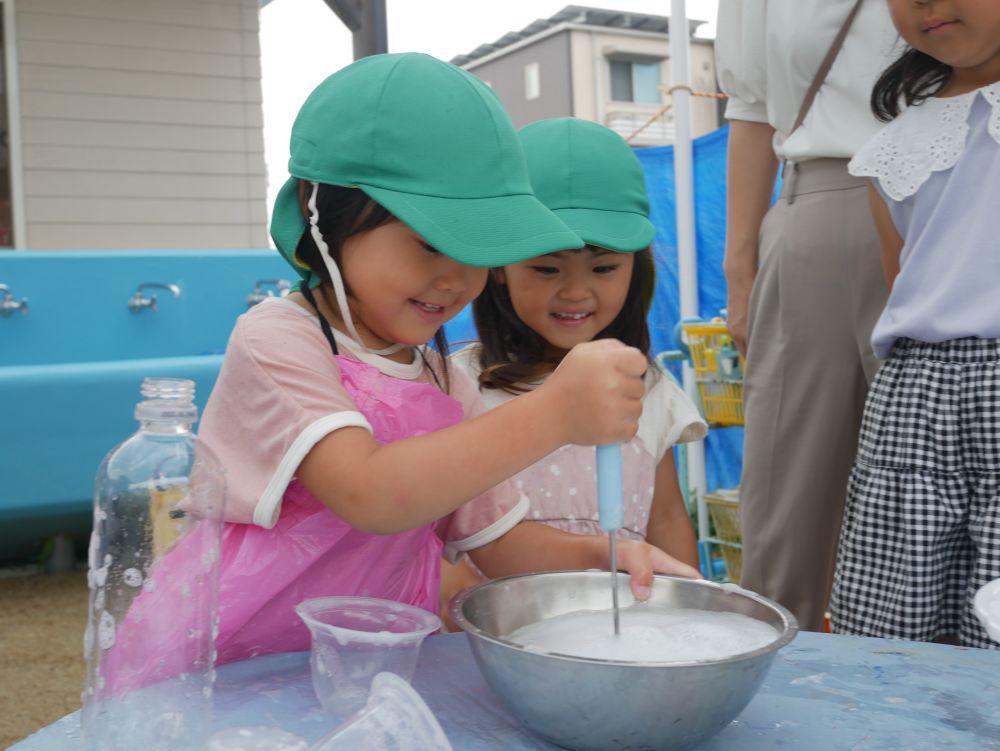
138,301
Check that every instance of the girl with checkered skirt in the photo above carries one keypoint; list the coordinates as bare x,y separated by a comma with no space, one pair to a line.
921,530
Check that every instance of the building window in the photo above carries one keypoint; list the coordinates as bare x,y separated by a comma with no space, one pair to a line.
635,82
532,82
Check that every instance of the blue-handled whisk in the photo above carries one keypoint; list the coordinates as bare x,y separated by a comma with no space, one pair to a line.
611,509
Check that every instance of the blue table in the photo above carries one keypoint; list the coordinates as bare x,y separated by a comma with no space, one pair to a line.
823,692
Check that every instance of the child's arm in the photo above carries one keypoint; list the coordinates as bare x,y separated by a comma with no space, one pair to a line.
669,526
531,547
593,397
888,235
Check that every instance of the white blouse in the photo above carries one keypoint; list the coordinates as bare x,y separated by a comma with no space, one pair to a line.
767,54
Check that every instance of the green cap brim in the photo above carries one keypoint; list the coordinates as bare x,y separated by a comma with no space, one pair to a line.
622,231
287,225
481,231
475,231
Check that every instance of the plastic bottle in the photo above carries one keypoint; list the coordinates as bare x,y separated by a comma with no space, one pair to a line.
154,578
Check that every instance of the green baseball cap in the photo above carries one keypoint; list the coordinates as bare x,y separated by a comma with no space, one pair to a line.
432,144
591,180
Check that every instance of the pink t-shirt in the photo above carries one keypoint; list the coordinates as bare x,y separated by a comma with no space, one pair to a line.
280,392
562,487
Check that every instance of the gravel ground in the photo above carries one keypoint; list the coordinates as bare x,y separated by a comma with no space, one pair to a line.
42,617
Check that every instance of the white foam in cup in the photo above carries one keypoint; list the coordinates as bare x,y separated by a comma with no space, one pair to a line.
394,717
354,639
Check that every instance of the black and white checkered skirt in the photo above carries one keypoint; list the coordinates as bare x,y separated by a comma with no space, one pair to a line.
921,530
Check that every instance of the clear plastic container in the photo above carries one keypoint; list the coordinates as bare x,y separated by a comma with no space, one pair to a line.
256,738
354,639
154,580
394,717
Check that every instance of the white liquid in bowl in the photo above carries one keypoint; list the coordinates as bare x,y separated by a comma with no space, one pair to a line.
648,634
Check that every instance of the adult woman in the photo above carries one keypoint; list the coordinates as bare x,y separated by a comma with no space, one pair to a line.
804,316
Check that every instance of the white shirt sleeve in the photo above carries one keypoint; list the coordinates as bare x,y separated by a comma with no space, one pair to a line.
768,53
668,417
740,58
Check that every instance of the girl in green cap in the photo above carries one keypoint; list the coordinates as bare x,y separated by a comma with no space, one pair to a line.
534,314
354,455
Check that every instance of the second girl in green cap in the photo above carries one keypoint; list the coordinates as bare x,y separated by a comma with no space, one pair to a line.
536,313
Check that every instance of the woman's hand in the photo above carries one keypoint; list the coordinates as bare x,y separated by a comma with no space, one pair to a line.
642,560
738,307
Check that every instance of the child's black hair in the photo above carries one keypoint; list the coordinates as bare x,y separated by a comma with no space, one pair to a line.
914,77
512,354
343,213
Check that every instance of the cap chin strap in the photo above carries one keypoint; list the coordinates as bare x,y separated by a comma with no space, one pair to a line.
337,280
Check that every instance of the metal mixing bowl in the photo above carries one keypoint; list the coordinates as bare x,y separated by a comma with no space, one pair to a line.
600,705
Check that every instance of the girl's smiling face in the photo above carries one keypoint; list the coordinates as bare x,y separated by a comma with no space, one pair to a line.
401,289
570,296
964,34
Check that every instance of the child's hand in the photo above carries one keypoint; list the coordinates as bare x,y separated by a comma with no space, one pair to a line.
455,578
640,559
597,391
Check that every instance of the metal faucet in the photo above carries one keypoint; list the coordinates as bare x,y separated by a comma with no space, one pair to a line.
257,296
138,301
8,305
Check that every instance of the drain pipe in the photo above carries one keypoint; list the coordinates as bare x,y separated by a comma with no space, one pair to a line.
687,263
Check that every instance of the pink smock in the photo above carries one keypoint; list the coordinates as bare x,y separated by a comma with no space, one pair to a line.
312,552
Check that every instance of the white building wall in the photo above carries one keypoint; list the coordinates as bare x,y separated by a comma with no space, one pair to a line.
591,50
141,124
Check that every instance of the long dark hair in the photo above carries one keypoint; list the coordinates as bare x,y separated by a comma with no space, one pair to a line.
914,77
343,213
512,354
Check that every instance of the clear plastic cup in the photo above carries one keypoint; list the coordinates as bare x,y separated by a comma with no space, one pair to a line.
395,717
354,639
256,738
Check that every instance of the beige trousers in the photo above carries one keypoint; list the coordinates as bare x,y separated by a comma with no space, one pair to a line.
817,295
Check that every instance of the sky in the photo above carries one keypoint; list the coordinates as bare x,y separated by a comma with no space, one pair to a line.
303,41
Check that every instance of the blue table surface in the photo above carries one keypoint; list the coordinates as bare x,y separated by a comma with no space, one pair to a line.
823,692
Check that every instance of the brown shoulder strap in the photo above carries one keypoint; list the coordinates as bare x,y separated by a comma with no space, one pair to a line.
824,67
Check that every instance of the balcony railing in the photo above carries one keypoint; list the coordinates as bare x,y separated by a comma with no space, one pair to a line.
626,123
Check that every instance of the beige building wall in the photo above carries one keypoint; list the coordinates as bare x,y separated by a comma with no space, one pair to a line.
140,124
592,49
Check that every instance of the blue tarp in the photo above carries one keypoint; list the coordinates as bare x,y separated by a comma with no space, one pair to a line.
724,446
723,451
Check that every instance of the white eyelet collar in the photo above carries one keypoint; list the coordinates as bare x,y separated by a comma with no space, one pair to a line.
929,137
